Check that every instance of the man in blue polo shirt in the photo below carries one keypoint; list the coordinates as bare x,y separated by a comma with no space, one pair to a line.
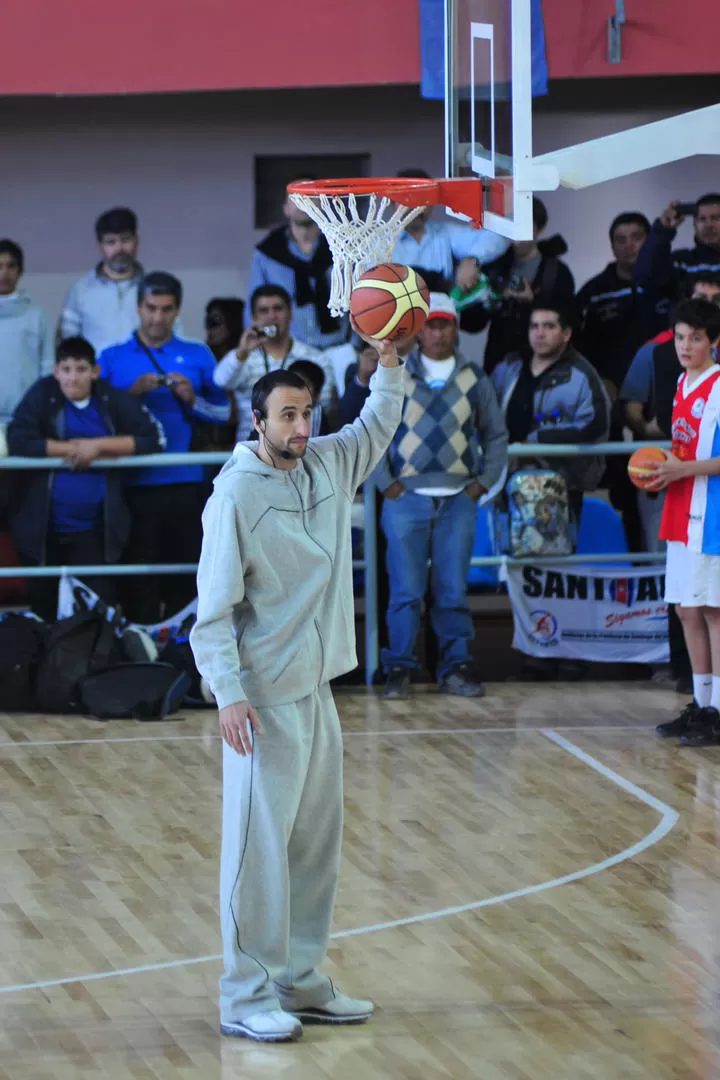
174,379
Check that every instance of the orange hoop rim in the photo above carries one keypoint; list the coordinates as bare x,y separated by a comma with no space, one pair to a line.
464,195
411,191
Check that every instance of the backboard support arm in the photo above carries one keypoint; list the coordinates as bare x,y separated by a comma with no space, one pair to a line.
624,153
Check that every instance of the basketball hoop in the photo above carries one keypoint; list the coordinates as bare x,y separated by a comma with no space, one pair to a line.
362,234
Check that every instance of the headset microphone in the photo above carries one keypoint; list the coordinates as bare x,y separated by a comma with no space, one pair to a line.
271,448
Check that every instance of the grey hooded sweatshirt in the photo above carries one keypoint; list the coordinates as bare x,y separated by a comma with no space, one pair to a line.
26,350
275,600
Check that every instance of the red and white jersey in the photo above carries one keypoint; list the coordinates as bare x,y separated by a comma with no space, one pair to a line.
691,513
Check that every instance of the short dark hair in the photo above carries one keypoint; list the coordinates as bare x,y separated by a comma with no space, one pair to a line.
265,385
700,315
299,177
160,283
118,220
75,348
563,314
702,277
9,247
312,373
630,217
539,214
269,290
413,174
706,200
232,311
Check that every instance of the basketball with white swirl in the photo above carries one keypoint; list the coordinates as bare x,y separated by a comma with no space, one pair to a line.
390,301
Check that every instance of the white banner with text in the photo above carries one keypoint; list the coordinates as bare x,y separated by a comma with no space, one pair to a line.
616,615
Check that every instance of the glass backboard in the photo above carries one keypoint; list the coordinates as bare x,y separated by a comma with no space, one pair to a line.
488,106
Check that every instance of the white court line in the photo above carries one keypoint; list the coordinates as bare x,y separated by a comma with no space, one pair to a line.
668,819
12,745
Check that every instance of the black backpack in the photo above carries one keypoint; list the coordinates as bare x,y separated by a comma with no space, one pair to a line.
177,652
141,691
75,647
22,641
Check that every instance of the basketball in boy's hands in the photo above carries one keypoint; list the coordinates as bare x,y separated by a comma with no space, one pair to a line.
390,301
641,465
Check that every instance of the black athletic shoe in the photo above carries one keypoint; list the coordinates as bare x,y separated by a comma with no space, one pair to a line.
397,684
705,731
680,725
459,681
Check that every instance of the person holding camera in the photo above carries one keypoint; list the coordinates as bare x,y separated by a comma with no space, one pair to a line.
173,377
266,345
529,272
673,272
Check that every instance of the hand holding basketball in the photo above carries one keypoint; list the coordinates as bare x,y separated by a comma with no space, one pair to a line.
653,469
387,349
389,302
669,470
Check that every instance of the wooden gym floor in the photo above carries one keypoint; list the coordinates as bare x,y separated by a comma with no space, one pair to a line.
529,892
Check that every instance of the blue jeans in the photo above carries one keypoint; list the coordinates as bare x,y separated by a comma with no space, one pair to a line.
418,528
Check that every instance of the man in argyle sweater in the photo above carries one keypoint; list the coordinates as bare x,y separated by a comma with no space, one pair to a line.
448,456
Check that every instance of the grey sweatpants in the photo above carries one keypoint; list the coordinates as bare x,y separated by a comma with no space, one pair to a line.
280,860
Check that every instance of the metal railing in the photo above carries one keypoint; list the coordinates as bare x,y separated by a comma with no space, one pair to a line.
368,564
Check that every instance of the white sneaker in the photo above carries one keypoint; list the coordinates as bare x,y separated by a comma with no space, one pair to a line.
272,1026
340,1009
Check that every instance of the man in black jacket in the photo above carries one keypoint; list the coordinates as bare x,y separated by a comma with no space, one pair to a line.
616,315
674,271
81,515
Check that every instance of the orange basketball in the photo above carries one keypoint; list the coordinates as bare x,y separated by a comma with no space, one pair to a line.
640,465
390,301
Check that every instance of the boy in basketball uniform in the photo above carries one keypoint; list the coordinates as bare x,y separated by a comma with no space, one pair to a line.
691,517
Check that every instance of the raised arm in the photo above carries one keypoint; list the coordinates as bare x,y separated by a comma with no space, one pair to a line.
232,372
654,266
480,244
356,449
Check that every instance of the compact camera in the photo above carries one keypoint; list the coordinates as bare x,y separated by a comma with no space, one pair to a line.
269,331
166,381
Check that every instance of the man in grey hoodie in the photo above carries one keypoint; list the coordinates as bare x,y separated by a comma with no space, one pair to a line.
275,624
26,346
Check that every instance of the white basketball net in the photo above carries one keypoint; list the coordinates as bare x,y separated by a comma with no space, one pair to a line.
357,241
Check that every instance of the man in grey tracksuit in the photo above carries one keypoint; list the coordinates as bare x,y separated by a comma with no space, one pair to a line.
275,625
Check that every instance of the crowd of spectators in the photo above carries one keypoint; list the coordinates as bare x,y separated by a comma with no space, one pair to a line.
118,377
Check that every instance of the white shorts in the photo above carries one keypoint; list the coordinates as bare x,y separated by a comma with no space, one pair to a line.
691,578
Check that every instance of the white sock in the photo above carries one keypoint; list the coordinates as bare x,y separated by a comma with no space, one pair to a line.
703,686
715,694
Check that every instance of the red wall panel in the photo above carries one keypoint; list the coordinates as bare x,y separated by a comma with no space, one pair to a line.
660,37
140,46
136,46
